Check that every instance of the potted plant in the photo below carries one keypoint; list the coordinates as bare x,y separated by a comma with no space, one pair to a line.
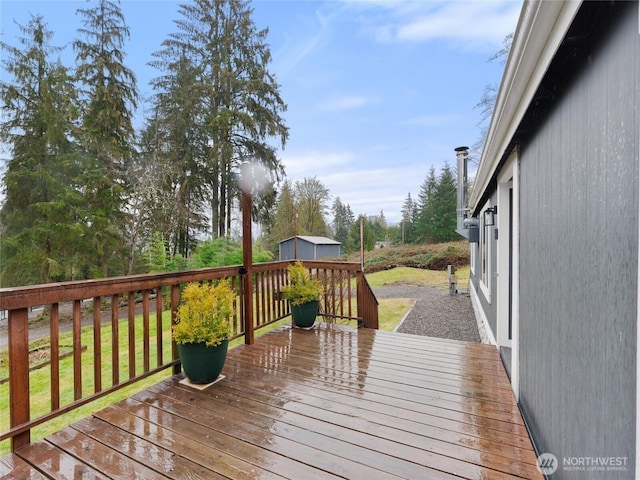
303,293
202,330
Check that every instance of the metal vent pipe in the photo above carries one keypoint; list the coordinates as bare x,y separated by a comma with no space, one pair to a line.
462,157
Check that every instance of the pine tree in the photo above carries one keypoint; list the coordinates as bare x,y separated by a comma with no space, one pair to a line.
284,225
444,206
353,243
426,212
408,212
39,217
342,221
174,146
236,103
378,226
107,130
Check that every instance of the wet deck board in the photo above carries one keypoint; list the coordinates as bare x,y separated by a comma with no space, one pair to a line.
331,402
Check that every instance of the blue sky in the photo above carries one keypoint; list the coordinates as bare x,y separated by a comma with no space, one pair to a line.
377,91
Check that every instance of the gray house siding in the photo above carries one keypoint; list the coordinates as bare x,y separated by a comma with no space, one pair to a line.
579,258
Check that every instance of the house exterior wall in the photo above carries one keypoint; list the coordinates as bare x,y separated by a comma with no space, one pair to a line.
579,260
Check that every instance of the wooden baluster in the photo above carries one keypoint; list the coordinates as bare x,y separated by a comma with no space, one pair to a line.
77,349
131,324
54,349
115,340
264,289
350,293
234,287
159,326
272,291
145,328
97,345
341,278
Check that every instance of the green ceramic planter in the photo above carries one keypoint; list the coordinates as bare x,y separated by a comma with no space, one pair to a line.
304,315
202,364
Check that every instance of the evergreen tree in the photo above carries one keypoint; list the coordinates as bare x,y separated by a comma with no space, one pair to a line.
378,226
426,209
342,221
409,213
436,212
236,103
39,217
110,98
284,223
444,206
174,146
353,243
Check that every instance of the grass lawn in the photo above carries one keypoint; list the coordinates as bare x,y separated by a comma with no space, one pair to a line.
391,312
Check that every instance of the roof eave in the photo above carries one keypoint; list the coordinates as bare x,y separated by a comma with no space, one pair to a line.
541,29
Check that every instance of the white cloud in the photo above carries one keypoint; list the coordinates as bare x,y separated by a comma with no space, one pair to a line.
367,188
311,164
474,21
467,24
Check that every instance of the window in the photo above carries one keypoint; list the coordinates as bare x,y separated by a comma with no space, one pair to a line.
486,231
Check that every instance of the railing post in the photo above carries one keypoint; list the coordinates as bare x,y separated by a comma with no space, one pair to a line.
367,303
247,257
19,374
360,310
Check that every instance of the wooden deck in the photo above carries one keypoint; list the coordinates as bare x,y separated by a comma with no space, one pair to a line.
331,402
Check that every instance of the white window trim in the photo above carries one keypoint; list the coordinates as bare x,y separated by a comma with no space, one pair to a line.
485,236
509,178
473,248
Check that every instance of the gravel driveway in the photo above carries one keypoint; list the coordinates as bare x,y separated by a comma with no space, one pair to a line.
435,313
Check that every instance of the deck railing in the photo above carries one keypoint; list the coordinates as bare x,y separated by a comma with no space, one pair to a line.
132,317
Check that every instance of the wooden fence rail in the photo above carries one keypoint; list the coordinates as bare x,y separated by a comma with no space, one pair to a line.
133,317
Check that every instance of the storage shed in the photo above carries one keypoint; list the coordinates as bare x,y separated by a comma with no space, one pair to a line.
309,248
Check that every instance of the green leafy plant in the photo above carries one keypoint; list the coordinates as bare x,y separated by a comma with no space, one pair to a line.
302,287
203,314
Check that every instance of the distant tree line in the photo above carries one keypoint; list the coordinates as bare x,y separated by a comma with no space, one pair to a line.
303,209
432,217
88,195
85,194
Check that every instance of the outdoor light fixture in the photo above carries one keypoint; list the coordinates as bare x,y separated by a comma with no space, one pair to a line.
489,216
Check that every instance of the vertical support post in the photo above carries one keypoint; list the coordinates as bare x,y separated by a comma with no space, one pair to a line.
295,235
360,305
19,374
362,243
247,247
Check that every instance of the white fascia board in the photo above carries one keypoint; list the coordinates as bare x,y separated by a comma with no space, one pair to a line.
541,28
